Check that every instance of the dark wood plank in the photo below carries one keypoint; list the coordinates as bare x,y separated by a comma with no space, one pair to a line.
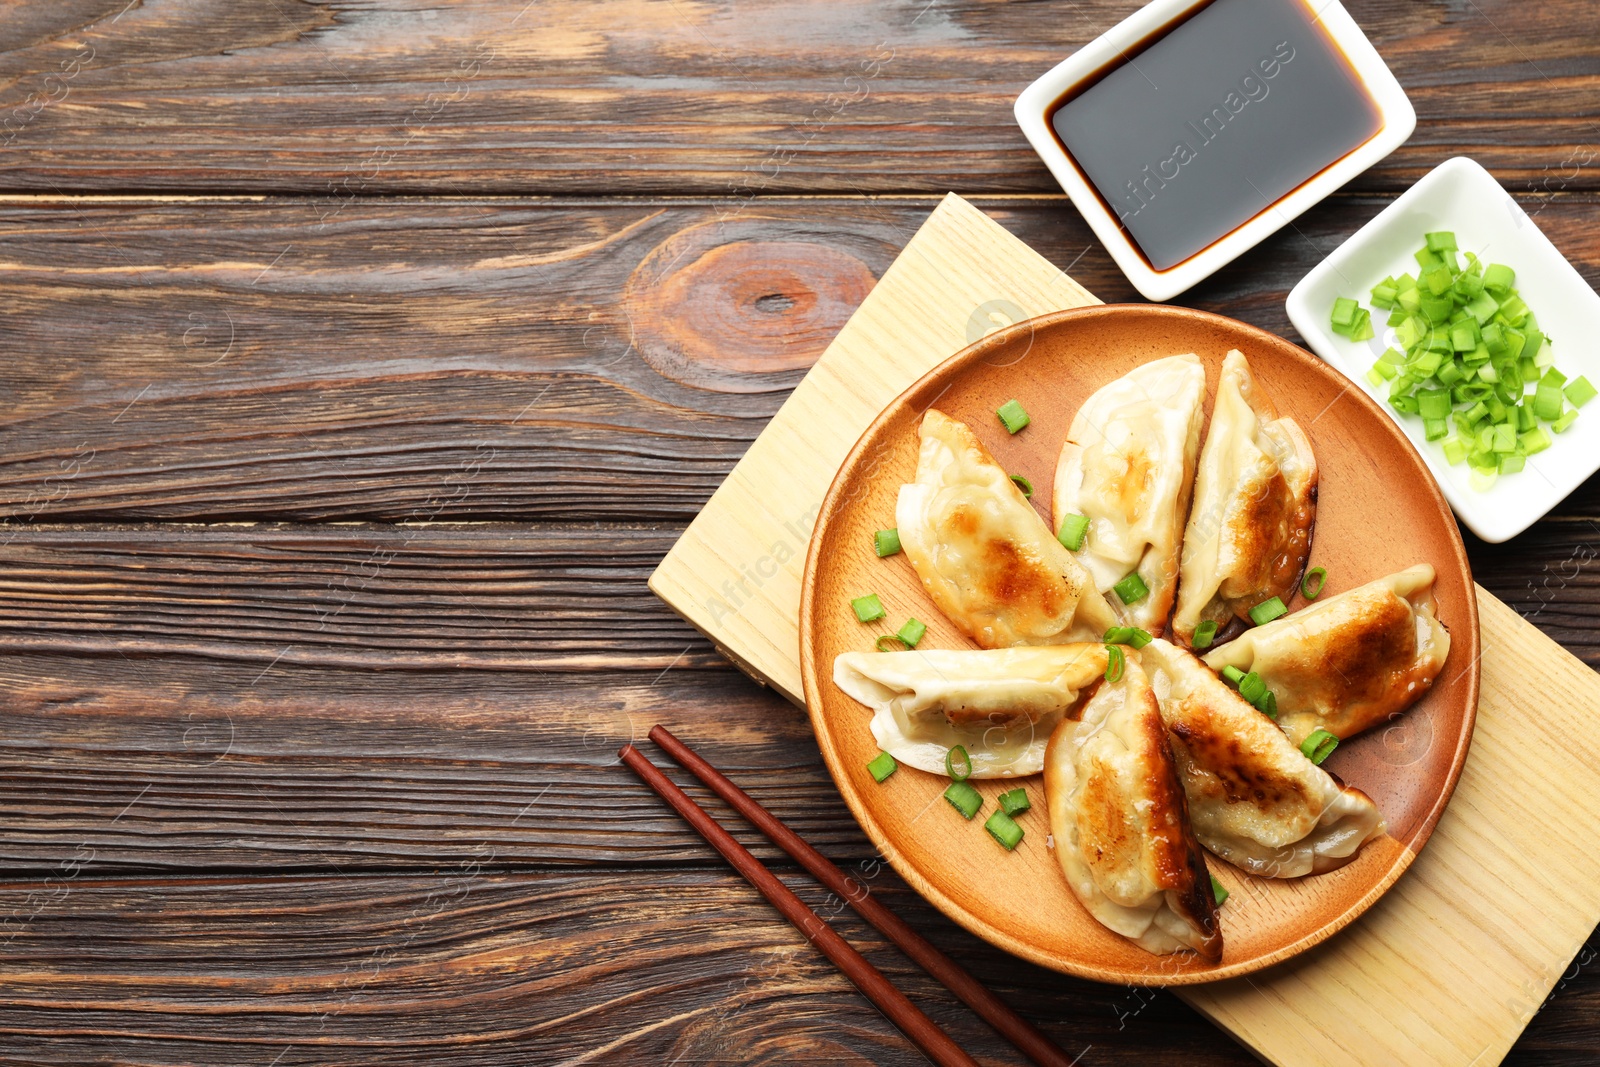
628,96
487,360
477,967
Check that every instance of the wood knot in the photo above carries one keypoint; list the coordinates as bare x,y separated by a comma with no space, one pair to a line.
729,305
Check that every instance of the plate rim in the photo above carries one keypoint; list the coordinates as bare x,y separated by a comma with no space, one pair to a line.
812,682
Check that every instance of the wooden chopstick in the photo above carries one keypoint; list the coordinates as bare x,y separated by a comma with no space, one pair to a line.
922,1031
996,1012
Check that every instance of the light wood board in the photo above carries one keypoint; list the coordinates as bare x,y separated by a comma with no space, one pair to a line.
1452,963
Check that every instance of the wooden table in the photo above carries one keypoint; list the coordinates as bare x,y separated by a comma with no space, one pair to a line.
362,360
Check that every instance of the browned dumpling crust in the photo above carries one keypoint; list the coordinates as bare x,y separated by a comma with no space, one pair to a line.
984,555
1255,504
1254,797
1348,662
1120,825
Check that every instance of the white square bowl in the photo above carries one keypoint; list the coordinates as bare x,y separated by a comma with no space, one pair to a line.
1397,120
1461,196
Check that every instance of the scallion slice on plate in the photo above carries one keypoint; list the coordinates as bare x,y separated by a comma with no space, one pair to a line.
964,799
1004,829
1073,529
1013,416
882,766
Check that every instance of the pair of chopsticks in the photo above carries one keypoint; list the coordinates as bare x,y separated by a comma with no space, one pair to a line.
922,1031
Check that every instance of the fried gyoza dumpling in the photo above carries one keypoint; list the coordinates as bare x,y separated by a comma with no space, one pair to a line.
1255,499
999,704
1255,799
984,555
1120,826
1348,662
1128,467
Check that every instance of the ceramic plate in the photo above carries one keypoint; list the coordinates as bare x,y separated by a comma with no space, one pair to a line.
1379,511
1461,196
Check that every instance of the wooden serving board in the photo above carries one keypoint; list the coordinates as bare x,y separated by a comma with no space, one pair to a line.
1452,963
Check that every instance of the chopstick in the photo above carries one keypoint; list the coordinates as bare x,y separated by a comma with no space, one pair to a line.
996,1012
922,1031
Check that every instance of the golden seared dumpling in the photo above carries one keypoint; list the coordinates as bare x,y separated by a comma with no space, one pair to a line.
1128,467
1254,797
1255,501
1120,826
984,555
1348,662
999,704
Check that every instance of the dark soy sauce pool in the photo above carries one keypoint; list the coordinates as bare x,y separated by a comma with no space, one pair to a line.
1215,121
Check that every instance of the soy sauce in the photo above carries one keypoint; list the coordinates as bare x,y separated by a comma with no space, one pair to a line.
1214,121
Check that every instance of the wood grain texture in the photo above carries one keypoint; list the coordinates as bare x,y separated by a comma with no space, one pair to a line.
475,966
629,96
234,361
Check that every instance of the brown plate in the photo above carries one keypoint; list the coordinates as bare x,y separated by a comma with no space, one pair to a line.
1378,511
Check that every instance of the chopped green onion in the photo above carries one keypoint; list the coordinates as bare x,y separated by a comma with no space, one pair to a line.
1131,589
1319,746
1441,241
882,766
912,632
1219,892
868,607
1234,675
1004,829
1267,610
1268,704
1205,633
1467,349
1498,278
892,640
1013,416
1073,529
1344,311
1023,484
886,542
957,764
1114,663
1580,392
1127,635
1311,585
1252,688
964,799
1015,801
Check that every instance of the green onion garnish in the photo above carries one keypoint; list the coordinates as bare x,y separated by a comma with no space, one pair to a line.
1004,830
1127,635
964,799
886,542
1131,589
957,764
868,607
1205,633
1468,350
1073,529
1311,585
1114,662
1015,801
1013,416
1319,746
1580,392
893,641
1267,610
912,632
1023,484
882,766
1218,891
1233,675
